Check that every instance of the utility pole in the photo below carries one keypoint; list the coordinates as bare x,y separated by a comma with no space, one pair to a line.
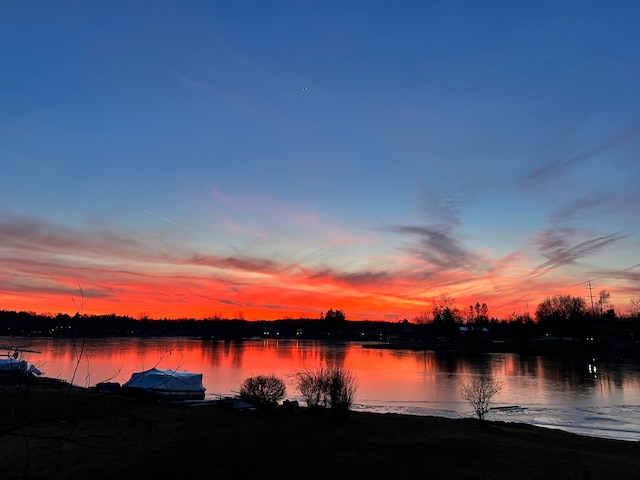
593,308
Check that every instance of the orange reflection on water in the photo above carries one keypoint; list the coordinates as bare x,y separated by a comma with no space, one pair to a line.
384,377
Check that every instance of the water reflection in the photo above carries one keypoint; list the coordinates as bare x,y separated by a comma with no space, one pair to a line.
424,382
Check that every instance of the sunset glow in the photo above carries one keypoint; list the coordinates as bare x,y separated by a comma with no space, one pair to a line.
192,161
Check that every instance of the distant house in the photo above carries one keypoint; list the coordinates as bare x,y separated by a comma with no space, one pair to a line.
466,330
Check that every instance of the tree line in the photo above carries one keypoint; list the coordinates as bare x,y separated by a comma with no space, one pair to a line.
560,316
22,323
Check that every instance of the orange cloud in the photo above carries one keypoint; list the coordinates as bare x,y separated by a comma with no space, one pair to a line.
45,266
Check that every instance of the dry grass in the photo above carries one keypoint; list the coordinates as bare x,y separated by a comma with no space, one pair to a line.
58,433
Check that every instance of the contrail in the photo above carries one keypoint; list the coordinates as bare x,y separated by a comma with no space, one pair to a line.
149,212
168,220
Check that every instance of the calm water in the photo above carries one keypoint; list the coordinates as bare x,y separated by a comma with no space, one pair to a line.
587,397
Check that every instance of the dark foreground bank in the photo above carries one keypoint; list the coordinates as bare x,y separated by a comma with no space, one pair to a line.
58,432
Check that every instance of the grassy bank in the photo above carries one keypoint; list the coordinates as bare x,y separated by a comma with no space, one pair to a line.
55,432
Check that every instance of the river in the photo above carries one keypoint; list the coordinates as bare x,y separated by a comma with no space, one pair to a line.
581,396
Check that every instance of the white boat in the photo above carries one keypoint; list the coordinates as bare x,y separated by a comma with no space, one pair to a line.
165,384
15,368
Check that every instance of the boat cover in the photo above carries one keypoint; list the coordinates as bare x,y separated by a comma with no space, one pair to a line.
13,366
167,383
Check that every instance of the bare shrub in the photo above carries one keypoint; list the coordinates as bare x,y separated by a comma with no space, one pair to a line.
342,388
264,391
331,387
479,391
311,388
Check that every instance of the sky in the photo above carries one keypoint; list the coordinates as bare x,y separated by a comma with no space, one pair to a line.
267,160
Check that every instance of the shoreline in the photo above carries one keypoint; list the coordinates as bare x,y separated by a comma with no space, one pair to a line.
550,419
57,432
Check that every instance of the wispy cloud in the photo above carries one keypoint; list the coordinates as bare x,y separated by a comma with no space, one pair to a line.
557,168
567,211
560,247
440,208
630,274
601,204
35,235
436,244
438,247
244,263
368,279
130,272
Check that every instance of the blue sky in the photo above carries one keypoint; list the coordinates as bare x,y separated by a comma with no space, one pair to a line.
276,159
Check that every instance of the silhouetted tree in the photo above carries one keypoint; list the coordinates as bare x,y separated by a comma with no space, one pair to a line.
603,302
479,391
562,315
446,322
334,319
481,316
444,305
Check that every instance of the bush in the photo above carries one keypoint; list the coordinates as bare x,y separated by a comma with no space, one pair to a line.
263,391
311,388
478,392
331,387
